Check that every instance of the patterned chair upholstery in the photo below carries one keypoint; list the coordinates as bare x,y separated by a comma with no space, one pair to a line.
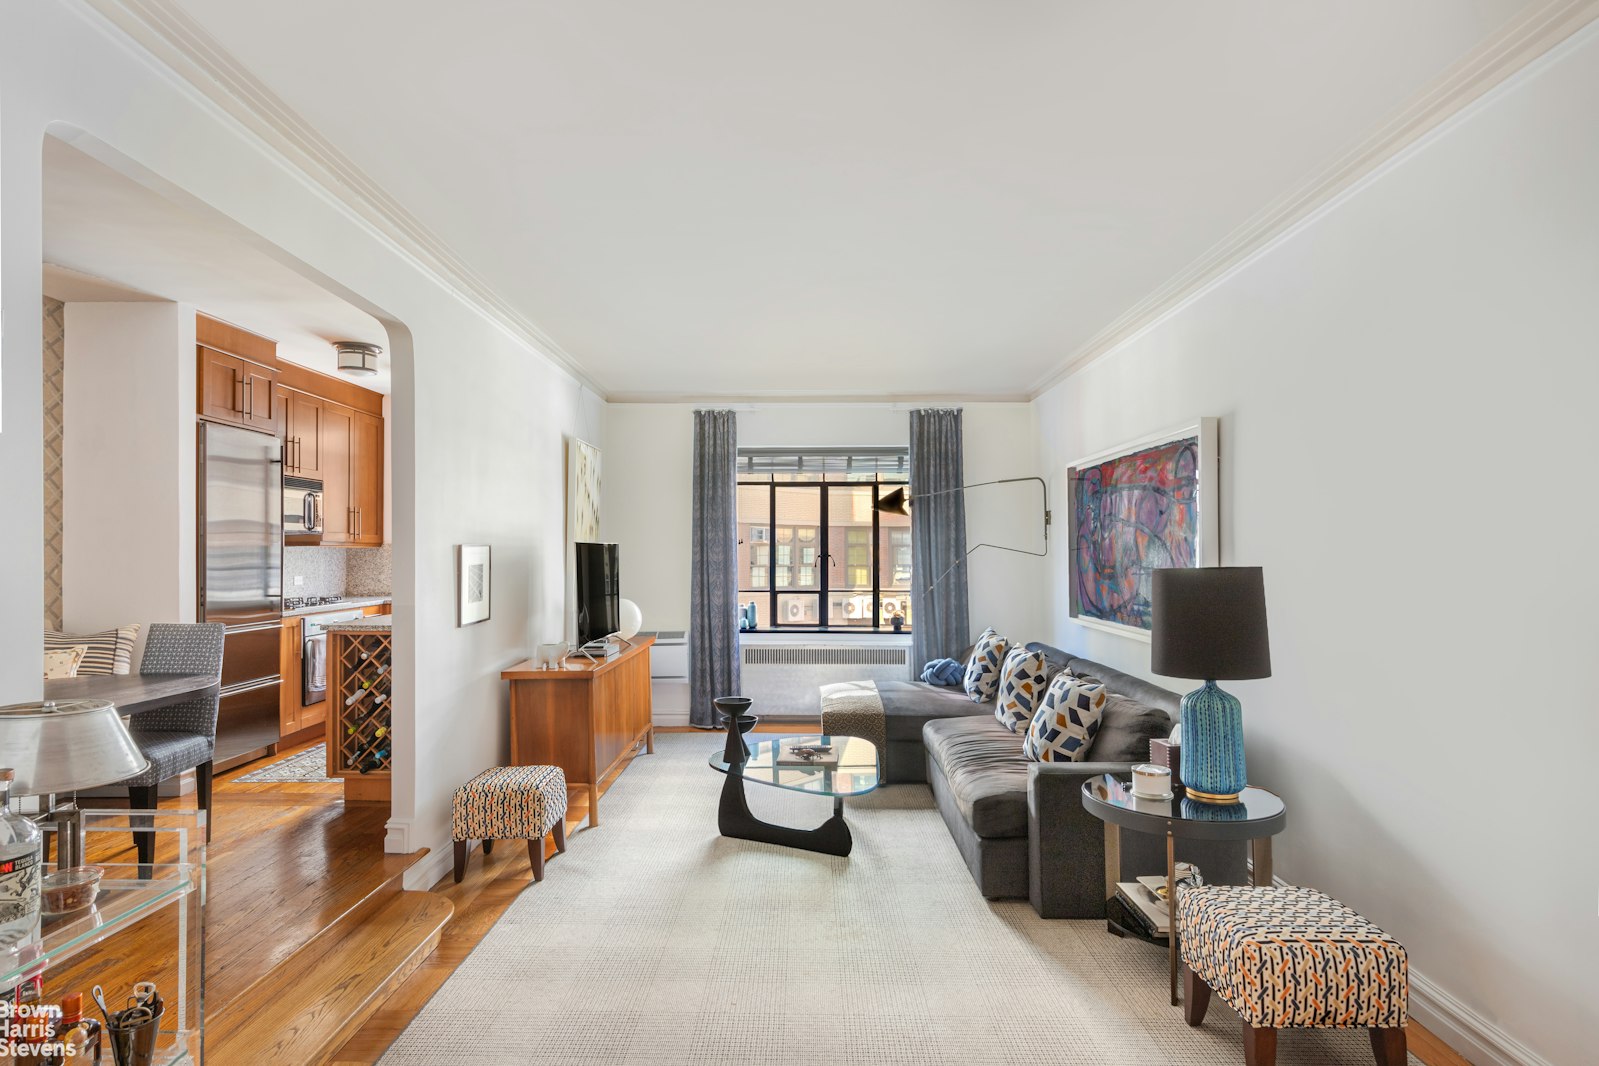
510,803
1292,958
183,736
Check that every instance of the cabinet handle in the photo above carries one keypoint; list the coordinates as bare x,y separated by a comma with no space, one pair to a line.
299,455
240,408
358,522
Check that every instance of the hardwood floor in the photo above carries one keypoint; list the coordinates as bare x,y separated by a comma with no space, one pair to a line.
286,861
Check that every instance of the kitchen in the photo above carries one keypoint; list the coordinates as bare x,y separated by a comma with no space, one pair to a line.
291,516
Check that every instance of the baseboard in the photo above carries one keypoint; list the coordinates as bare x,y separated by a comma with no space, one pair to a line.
422,876
1468,1033
1476,1038
397,837
668,719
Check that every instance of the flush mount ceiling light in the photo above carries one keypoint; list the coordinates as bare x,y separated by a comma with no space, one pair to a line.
357,358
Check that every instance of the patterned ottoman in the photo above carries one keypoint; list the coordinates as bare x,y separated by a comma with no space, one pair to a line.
1288,958
510,803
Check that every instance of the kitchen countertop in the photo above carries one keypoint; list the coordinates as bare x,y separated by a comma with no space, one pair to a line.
342,605
376,623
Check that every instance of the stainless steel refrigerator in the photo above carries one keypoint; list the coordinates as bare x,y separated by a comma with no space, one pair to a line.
241,581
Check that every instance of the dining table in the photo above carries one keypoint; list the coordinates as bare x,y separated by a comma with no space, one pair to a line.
132,693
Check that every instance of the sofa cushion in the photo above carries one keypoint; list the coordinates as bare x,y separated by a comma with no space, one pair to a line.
63,662
909,705
1021,688
983,669
110,652
1125,730
983,764
1067,720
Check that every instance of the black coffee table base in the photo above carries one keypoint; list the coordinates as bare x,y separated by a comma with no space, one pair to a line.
734,819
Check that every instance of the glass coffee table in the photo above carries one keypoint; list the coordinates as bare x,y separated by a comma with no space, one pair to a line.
854,775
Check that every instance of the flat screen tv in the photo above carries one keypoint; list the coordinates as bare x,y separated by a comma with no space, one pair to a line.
599,612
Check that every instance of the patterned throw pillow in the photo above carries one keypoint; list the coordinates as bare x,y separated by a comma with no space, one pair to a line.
63,663
1021,688
982,672
1064,727
110,652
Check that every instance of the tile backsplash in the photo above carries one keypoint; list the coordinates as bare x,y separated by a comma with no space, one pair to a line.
337,571
368,571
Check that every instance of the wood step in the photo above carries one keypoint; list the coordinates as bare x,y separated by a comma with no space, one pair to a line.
306,1008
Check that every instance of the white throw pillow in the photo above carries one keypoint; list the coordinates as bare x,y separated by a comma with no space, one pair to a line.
1064,728
982,670
63,662
1022,685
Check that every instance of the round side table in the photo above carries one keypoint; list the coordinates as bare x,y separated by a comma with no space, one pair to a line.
1256,817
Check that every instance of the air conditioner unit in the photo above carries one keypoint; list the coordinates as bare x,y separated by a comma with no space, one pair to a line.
784,679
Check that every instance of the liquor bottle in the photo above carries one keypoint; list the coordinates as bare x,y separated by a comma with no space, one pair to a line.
21,852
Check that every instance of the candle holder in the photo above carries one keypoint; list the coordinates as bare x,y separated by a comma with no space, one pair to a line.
734,711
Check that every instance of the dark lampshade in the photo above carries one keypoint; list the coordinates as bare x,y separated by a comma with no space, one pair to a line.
1210,623
896,502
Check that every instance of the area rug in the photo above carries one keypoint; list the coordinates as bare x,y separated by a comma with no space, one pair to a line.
654,940
308,766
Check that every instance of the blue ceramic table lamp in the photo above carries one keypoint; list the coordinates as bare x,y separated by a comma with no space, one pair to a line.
1210,622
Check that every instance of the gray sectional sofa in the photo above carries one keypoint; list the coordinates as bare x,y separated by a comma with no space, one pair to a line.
1020,825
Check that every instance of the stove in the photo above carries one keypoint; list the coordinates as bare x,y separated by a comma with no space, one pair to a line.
295,603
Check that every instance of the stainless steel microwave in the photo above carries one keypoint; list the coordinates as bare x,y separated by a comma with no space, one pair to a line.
302,511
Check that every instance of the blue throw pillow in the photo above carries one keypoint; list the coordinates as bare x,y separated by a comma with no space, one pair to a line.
983,669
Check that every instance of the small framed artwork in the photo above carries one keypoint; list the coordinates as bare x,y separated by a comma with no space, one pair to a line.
472,582
1136,508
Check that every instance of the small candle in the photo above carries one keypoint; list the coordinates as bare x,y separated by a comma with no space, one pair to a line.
1151,781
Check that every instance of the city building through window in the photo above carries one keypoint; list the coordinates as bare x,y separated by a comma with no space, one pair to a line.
813,552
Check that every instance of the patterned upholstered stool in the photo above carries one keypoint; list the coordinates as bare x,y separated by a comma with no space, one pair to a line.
511,803
1291,958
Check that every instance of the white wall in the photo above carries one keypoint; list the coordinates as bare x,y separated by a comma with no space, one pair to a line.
128,466
478,417
1406,390
648,500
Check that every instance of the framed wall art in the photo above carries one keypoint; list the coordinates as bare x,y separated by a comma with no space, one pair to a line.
1136,508
473,583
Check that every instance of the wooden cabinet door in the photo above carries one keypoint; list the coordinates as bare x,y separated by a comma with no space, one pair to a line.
302,434
221,386
260,397
366,478
289,688
338,506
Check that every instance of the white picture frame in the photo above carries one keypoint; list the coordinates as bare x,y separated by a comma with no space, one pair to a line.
1207,526
474,583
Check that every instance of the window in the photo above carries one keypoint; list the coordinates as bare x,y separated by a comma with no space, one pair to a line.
813,550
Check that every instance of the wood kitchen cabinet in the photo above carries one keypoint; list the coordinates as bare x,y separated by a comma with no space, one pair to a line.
302,433
366,478
352,476
237,391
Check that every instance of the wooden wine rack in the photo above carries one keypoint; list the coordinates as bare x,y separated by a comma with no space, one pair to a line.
360,690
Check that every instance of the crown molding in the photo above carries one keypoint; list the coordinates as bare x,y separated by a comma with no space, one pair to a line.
185,50
802,399
1509,51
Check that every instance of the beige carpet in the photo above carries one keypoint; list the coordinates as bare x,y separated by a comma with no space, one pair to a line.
654,940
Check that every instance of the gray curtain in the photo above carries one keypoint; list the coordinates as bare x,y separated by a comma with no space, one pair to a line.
939,626
713,602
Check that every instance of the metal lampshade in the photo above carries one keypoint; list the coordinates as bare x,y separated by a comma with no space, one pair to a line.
67,745
896,502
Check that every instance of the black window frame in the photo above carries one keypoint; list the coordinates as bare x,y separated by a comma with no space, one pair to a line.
824,554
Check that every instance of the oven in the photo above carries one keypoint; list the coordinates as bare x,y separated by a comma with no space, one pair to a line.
302,511
314,654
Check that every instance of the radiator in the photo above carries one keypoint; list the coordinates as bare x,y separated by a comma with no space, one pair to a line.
783,679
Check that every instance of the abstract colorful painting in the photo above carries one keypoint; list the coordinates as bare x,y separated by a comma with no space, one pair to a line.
1136,512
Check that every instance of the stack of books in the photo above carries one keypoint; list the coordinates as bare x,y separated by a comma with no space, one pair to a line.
1142,903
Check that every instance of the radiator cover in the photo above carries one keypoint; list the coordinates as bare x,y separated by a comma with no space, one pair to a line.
783,679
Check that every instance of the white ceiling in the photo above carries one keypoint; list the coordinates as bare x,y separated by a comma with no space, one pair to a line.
107,238
726,197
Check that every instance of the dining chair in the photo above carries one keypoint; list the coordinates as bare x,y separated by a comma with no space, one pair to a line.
180,737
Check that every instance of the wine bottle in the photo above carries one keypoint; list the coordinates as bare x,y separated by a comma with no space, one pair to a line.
21,853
